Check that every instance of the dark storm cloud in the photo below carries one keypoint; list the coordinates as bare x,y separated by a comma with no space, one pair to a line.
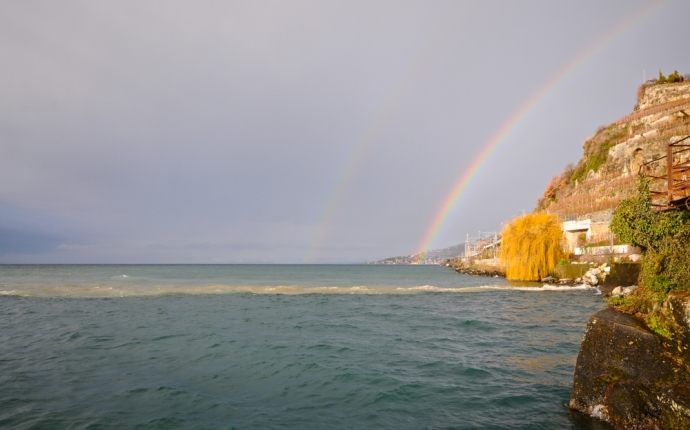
218,131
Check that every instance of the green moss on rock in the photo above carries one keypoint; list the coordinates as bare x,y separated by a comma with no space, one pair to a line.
630,377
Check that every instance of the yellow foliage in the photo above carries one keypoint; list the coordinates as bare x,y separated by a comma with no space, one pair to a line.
531,246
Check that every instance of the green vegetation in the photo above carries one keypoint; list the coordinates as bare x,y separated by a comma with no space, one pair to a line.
564,269
664,240
623,273
645,304
597,150
671,79
674,77
662,79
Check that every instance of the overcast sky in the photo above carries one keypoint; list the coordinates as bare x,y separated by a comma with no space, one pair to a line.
293,131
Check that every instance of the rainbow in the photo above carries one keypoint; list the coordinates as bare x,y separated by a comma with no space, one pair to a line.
376,125
391,100
451,201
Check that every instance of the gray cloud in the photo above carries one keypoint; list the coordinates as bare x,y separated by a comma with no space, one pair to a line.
218,131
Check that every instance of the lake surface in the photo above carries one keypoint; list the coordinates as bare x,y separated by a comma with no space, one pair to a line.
285,347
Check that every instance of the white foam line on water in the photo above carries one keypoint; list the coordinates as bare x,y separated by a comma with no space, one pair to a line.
158,290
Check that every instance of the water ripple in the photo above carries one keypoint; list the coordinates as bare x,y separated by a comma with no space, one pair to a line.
491,359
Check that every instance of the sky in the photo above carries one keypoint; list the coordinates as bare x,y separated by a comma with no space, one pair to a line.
300,131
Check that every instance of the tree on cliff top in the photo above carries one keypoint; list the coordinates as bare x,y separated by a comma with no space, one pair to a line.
675,77
662,78
531,246
672,78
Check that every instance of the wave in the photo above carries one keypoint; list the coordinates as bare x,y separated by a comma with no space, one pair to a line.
158,290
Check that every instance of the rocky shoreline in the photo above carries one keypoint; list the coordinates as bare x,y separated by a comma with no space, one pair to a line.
477,271
603,276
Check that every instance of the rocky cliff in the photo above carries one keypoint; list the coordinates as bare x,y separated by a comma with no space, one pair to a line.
626,374
612,157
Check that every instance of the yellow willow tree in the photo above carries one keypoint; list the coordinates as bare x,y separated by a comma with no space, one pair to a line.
531,246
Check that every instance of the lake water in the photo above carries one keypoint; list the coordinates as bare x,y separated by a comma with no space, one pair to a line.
285,347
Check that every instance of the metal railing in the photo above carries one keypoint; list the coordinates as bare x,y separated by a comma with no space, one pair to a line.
487,240
670,181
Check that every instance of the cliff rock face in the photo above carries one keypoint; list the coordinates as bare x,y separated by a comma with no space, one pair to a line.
607,172
657,95
677,308
631,377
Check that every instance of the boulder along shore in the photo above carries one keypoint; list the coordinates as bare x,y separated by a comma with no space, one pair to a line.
631,377
480,271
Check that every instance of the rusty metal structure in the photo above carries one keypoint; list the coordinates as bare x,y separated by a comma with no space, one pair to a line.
670,177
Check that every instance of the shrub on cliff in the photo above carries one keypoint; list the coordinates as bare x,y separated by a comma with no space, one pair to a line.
531,246
671,79
635,223
674,77
662,78
597,149
664,238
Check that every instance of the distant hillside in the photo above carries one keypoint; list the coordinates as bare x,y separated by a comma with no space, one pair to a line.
436,256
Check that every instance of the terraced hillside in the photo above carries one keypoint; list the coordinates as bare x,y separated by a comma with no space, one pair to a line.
607,172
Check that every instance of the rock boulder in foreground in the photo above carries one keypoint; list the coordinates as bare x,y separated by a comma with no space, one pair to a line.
629,376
